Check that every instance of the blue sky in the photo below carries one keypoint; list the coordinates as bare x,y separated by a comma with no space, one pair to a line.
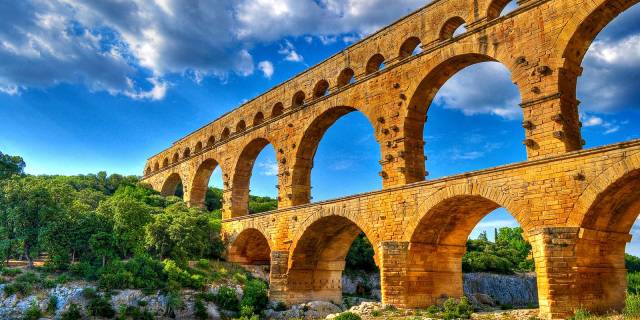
87,86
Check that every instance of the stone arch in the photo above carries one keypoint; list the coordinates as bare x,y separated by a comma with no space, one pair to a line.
186,153
211,141
258,118
303,162
147,171
495,8
171,184
298,99
176,157
250,247
318,252
421,99
321,89
242,176
450,26
345,77
198,147
374,63
165,162
277,109
437,242
156,166
408,47
241,126
225,134
200,183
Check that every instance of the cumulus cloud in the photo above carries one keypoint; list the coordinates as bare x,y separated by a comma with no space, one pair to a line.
596,121
289,52
267,68
484,88
269,169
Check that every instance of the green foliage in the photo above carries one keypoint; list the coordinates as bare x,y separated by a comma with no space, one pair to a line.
73,313
141,272
632,263
100,307
10,165
200,310
360,256
179,277
52,305
226,299
33,312
632,308
457,309
255,295
581,314
130,216
213,202
23,285
509,253
348,316
11,272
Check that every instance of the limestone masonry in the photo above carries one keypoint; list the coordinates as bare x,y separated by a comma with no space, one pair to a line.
576,206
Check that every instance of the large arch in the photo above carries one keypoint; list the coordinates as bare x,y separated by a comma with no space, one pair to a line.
250,247
438,235
200,182
307,147
422,98
242,176
317,258
170,185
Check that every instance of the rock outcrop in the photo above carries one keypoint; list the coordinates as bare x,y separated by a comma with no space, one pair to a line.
501,290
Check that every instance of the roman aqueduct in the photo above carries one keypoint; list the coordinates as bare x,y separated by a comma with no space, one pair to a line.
576,206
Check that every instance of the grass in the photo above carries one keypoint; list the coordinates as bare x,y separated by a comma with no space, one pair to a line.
631,311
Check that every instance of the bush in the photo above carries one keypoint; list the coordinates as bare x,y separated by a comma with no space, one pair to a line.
83,270
581,314
632,308
457,309
348,316
33,312
200,310
633,282
133,312
73,313
101,307
255,295
203,264
52,306
11,272
140,272
226,299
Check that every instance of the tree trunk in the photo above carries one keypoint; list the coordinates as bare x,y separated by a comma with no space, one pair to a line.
28,256
104,260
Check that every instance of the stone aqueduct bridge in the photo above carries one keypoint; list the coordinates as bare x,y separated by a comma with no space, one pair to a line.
576,206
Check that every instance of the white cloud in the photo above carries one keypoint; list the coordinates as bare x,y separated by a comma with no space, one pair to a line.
596,121
269,169
591,121
289,51
267,68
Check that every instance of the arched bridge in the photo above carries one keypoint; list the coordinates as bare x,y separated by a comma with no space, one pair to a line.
576,206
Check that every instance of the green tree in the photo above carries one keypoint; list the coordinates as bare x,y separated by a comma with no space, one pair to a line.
11,165
129,216
360,256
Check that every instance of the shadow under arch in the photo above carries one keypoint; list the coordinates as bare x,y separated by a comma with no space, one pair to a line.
200,182
422,98
605,213
171,184
317,257
250,247
307,147
438,236
242,176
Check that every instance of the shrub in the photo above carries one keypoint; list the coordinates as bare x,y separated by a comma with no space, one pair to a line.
52,306
633,282
73,313
376,313
133,312
101,307
33,312
632,308
255,295
226,299
203,264
457,309
83,270
11,272
280,306
348,316
581,314
200,310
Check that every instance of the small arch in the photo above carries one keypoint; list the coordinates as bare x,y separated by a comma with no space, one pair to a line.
450,28
258,119
211,141
277,109
225,134
497,8
198,147
186,153
176,157
147,171
375,63
321,89
170,186
242,176
156,166
200,182
298,99
165,162
410,47
346,77
241,126
250,247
